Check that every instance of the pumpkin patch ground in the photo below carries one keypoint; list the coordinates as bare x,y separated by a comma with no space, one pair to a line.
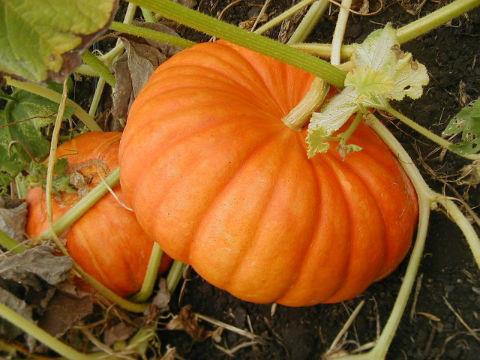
182,316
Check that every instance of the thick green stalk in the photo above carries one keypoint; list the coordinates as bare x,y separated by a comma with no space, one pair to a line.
339,32
435,19
285,15
10,244
309,21
55,97
81,207
214,27
406,33
151,34
148,15
174,275
41,335
151,274
99,67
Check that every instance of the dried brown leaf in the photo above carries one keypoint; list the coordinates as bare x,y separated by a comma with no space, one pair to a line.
188,322
13,217
118,332
135,66
64,311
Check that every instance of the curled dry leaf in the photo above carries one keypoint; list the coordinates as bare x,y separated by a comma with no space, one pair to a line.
64,311
28,267
21,307
118,332
134,67
188,322
13,217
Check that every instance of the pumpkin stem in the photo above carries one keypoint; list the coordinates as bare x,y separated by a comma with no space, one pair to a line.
300,114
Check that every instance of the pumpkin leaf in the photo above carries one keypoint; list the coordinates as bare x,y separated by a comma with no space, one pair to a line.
467,123
334,114
22,139
381,72
43,39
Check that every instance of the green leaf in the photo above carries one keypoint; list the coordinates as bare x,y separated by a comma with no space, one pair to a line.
21,133
467,123
42,39
381,72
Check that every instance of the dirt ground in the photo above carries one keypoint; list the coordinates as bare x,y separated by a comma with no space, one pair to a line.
430,329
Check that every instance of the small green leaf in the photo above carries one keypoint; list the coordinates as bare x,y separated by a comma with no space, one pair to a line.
21,133
42,39
467,123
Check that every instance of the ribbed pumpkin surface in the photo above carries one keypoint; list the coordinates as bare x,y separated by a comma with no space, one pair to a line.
217,179
107,242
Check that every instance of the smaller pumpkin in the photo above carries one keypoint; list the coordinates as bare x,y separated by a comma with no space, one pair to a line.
107,241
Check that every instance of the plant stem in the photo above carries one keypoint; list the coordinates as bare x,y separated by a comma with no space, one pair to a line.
339,32
309,21
301,114
428,134
99,67
151,34
53,154
82,206
150,275
148,16
41,335
255,42
406,33
458,218
351,129
285,15
174,275
97,96
55,97
86,70
435,19
10,244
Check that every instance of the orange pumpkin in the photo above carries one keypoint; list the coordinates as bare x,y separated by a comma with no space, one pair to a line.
107,242
222,184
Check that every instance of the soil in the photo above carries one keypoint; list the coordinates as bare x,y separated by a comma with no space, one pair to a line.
429,329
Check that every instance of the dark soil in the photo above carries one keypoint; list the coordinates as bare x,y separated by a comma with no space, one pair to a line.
452,56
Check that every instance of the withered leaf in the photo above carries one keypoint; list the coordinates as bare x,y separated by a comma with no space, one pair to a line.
188,322
118,332
20,306
134,67
33,264
13,217
64,311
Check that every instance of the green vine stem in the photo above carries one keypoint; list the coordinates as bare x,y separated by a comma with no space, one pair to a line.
285,15
108,60
309,21
150,276
458,218
82,206
428,134
435,19
174,275
10,244
55,97
151,34
405,33
99,67
41,335
427,199
340,31
148,15
253,41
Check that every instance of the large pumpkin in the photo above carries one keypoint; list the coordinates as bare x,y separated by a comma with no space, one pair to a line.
222,184
107,242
